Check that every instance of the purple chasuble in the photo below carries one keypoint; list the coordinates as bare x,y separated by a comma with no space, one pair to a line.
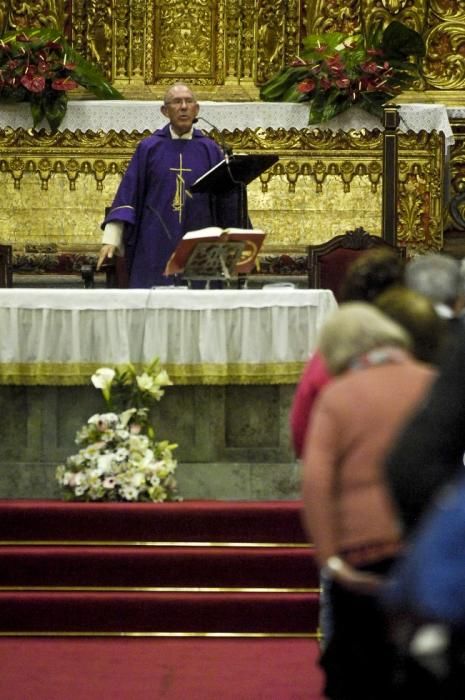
154,202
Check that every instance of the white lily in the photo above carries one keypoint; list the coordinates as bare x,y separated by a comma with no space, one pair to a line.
147,383
102,379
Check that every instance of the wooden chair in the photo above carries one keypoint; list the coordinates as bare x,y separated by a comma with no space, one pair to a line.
116,274
115,269
328,262
6,265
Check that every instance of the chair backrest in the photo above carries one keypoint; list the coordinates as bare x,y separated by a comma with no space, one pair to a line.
6,265
328,262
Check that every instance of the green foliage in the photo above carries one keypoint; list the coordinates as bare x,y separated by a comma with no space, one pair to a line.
38,65
399,42
335,71
282,88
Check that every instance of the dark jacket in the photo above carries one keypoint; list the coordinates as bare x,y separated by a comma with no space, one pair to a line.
429,452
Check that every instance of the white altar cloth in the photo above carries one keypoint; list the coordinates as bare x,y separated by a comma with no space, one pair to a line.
139,115
51,336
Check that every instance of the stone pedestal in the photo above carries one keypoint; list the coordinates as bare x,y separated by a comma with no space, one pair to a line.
233,440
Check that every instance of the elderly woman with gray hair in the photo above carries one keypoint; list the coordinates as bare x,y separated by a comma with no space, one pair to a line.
348,511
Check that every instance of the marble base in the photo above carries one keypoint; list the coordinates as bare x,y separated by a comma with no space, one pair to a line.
233,440
196,481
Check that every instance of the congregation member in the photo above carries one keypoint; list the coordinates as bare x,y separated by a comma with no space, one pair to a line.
153,207
429,452
348,512
417,314
438,277
372,273
422,469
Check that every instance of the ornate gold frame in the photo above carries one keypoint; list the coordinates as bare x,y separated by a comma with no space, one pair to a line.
227,49
322,183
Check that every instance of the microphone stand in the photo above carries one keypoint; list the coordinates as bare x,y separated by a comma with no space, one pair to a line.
227,150
228,154
242,190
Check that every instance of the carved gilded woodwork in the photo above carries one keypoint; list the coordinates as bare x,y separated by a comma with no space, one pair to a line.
382,12
421,182
334,15
228,49
186,40
444,65
17,13
323,182
456,197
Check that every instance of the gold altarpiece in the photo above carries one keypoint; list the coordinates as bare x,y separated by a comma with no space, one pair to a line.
55,186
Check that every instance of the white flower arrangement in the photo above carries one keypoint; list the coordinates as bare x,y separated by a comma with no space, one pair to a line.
119,459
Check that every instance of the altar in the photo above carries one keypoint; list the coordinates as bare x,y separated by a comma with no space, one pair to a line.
234,357
201,337
235,363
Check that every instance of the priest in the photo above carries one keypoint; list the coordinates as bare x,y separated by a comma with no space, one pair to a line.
153,207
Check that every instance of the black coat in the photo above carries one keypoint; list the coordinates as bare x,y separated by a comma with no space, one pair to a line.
429,452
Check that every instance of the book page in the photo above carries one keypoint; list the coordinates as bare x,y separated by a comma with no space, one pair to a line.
248,231
208,232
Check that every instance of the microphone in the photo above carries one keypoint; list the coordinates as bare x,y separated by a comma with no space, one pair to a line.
227,150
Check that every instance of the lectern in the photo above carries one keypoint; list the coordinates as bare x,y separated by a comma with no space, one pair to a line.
227,183
213,261
215,254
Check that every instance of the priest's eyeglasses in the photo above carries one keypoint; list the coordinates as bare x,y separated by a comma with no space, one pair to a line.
178,101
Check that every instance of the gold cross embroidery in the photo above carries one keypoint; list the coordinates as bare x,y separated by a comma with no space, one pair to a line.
180,194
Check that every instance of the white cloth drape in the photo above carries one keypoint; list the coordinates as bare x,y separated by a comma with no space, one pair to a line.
139,115
53,336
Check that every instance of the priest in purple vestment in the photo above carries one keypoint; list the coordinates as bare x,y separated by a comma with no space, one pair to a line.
153,207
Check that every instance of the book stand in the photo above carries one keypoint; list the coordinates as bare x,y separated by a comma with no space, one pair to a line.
213,261
229,179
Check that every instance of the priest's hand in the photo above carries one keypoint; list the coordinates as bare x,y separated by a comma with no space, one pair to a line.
107,251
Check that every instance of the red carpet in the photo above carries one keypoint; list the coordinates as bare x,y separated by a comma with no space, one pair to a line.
189,521
194,567
177,566
159,669
185,601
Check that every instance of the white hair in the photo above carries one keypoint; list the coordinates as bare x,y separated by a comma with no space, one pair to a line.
436,276
354,329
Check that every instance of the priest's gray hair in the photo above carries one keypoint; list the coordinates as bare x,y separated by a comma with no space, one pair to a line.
355,329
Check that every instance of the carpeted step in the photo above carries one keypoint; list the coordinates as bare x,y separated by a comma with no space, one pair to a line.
81,566
195,567
186,521
138,668
141,612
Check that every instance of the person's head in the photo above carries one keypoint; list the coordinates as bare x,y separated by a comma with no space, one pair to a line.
415,313
436,276
355,329
371,273
180,106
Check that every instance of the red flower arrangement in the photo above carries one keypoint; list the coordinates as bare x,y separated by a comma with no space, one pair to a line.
38,66
336,71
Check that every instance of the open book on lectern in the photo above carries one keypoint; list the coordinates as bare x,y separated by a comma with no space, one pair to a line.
251,240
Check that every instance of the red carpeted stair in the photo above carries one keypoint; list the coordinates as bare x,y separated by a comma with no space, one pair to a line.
189,568
135,668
